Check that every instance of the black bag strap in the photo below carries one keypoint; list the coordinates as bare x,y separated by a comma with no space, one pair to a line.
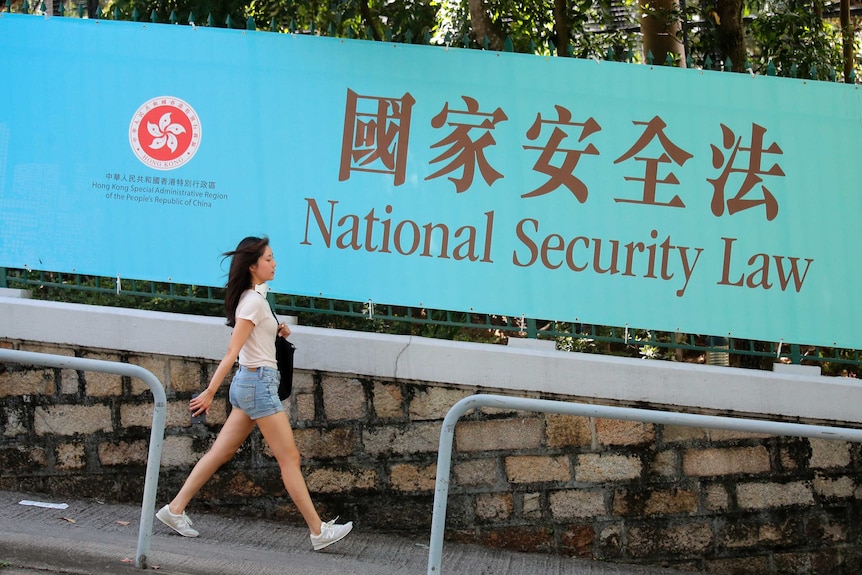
273,313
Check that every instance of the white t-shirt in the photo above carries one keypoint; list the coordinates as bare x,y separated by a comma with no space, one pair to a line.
259,348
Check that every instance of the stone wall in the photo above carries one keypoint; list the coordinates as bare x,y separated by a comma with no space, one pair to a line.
695,499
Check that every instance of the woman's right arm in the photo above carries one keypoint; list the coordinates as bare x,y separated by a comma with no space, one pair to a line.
201,403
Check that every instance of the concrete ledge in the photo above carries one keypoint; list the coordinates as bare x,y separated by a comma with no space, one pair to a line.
17,293
478,366
523,343
797,369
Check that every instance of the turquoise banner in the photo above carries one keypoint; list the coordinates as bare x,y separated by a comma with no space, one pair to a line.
573,190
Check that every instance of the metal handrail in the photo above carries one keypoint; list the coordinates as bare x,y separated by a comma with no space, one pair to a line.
447,434
154,457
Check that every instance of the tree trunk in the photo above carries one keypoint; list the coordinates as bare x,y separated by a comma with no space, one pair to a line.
483,26
847,40
369,20
561,26
731,41
660,29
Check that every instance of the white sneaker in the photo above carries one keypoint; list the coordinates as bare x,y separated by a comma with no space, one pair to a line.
179,523
330,533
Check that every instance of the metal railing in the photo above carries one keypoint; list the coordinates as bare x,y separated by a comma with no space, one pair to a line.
447,435
154,457
442,324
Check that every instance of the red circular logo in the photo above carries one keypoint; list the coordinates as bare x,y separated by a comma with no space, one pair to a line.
165,133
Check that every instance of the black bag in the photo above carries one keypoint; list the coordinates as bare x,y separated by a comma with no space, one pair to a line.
284,356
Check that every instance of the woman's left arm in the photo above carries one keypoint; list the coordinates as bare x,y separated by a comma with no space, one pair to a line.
202,402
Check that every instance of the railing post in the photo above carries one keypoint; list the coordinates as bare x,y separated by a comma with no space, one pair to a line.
532,330
795,354
447,434
157,434
441,489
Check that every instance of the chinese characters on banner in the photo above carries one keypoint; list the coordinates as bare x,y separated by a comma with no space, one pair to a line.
377,137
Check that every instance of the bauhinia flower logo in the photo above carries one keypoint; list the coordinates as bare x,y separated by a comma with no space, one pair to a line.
165,133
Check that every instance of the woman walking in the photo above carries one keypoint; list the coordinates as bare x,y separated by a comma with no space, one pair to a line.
253,395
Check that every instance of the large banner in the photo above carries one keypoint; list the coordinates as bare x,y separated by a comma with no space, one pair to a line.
552,188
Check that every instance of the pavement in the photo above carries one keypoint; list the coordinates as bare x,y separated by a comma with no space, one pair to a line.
90,537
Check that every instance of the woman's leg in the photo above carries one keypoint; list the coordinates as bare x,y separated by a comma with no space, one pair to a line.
233,433
279,436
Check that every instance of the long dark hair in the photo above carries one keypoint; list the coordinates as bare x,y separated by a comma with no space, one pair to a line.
246,254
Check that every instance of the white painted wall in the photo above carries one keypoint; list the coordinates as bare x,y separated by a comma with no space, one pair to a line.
521,366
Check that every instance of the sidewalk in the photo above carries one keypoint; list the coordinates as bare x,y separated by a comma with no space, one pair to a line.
92,538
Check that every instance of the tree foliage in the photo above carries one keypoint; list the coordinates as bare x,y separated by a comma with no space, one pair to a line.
793,35
593,27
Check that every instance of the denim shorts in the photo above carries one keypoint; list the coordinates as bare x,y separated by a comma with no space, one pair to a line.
256,392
